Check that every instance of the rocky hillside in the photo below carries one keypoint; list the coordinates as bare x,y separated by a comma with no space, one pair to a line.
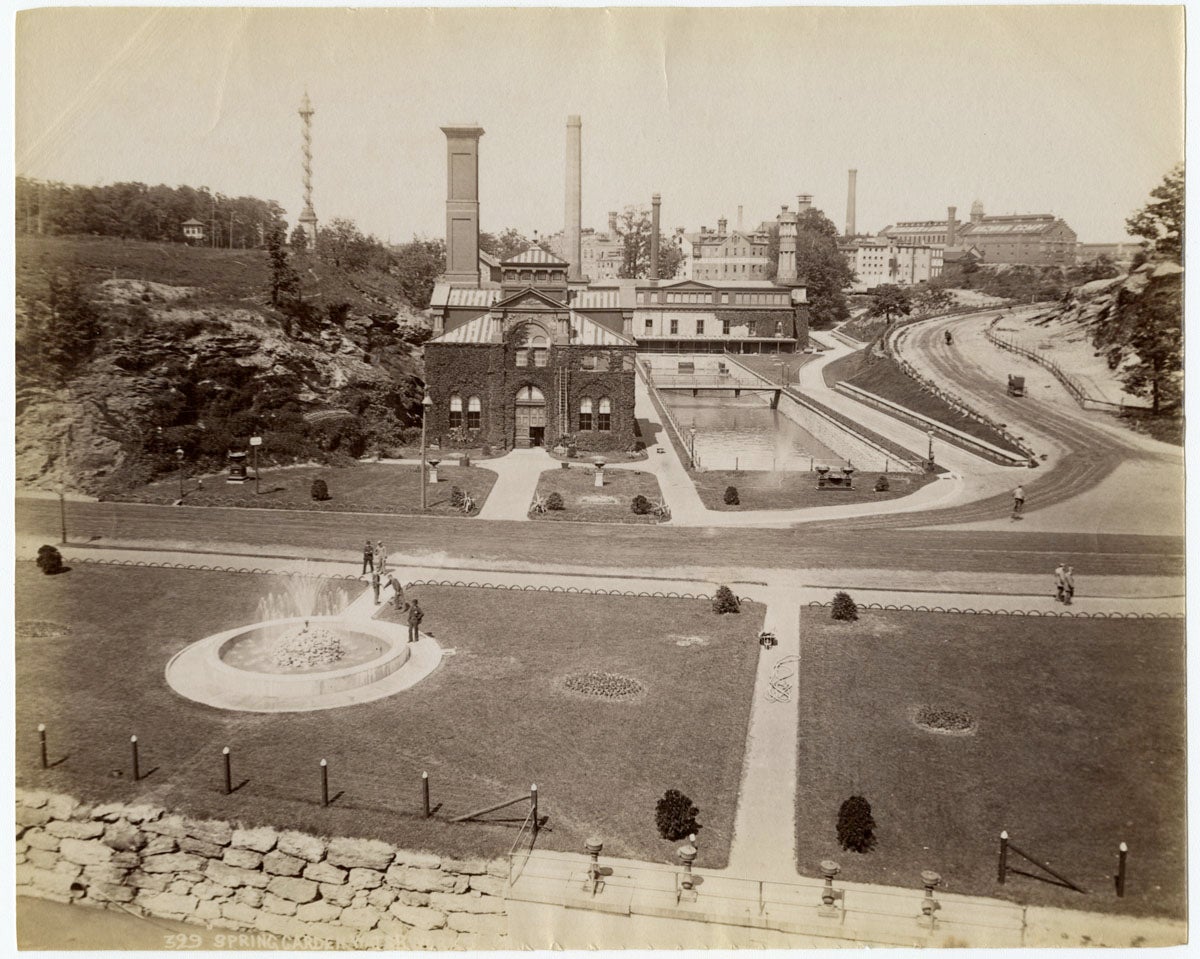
127,351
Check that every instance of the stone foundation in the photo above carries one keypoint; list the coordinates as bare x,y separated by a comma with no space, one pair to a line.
358,893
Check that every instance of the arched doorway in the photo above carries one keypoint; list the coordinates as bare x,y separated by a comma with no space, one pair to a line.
531,418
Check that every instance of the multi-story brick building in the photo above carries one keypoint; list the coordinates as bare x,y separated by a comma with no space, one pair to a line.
1031,239
723,254
876,261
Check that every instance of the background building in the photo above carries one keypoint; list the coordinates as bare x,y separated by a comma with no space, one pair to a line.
723,254
1031,239
876,261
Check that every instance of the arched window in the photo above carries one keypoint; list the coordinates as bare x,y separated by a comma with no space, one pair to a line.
473,410
455,411
585,413
531,394
604,419
540,351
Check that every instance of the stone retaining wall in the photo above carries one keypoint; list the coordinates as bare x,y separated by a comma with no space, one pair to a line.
306,890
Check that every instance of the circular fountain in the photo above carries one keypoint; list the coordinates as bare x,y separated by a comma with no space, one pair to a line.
320,657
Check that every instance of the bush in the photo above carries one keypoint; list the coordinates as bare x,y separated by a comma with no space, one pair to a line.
843,607
49,560
640,505
731,496
572,451
855,826
456,497
485,450
675,815
320,491
725,602
881,484
554,501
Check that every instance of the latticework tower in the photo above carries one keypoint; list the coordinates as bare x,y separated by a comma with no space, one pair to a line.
308,218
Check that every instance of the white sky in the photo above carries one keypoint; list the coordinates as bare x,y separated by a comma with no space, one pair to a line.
1072,110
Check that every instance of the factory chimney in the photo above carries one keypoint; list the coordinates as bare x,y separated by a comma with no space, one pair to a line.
655,203
612,224
951,226
574,203
462,205
851,199
741,228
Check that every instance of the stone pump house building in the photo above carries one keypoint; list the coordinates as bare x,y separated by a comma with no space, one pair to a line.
531,370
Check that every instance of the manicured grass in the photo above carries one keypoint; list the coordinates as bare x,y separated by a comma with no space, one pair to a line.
767,364
1079,745
790,489
493,719
577,486
361,488
884,377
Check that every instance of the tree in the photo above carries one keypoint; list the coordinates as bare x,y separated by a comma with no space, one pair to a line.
890,302
1160,222
1149,344
59,331
299,239
505,244
343,244
634,228
416,265
933,299
820,266
284,280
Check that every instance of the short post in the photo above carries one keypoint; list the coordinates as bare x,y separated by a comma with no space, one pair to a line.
533,810
133,748
930,880
592,847
228,771
324,783
829,895
1003,855
42,741
425,794
1122,854
687,855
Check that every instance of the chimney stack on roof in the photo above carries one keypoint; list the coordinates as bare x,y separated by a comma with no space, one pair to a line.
612,223
740,226
951,226
851,201
574,200
655,203
722,226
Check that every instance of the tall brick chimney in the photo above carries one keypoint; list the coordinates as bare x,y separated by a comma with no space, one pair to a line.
574,202
655,203
462,205
612,223
951,226
851,197
741,226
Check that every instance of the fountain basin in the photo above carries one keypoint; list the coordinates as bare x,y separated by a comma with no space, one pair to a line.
234,669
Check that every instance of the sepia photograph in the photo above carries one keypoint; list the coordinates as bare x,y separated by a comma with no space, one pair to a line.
598,478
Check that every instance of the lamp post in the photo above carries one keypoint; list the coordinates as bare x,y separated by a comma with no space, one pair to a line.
255,443
931,450
179,457
692,446
426,403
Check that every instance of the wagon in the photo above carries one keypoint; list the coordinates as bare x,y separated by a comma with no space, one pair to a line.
1016,385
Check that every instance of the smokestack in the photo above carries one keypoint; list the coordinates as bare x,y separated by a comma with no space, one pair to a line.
740,226
612,223
655,203
574,198
951,226
851,225
462,205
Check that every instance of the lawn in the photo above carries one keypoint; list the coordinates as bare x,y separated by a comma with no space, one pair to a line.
1079,745
790,489
361,488
493,719
584,501
884,377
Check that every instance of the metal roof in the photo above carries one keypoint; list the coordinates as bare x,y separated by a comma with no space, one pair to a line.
482,329
462,296
597,300
489,329
586,332
536,255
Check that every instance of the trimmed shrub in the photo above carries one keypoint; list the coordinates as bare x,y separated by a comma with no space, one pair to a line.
731,496
725,601
843,607
855,825
675,815
49,560
572,451
320,491
554,501
881,484
456,497
640,505
485,450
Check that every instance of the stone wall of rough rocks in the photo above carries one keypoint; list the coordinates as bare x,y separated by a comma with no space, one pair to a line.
341,892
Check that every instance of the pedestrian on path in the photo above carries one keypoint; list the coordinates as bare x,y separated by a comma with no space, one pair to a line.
1060,581
1018,501
368,557
397,592
415,615
1069,585
380,557
375,584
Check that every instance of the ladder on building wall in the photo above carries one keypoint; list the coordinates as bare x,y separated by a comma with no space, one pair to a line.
564,420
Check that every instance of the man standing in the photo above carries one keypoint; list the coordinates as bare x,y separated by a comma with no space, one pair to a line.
1018,501
1068,585
415,615
1060,582
368,557
397,593
380,556
375,584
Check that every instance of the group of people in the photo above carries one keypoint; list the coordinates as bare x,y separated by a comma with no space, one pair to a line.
375,560
1064,583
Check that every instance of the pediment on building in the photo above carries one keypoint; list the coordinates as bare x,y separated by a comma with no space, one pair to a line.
685,285
529,299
